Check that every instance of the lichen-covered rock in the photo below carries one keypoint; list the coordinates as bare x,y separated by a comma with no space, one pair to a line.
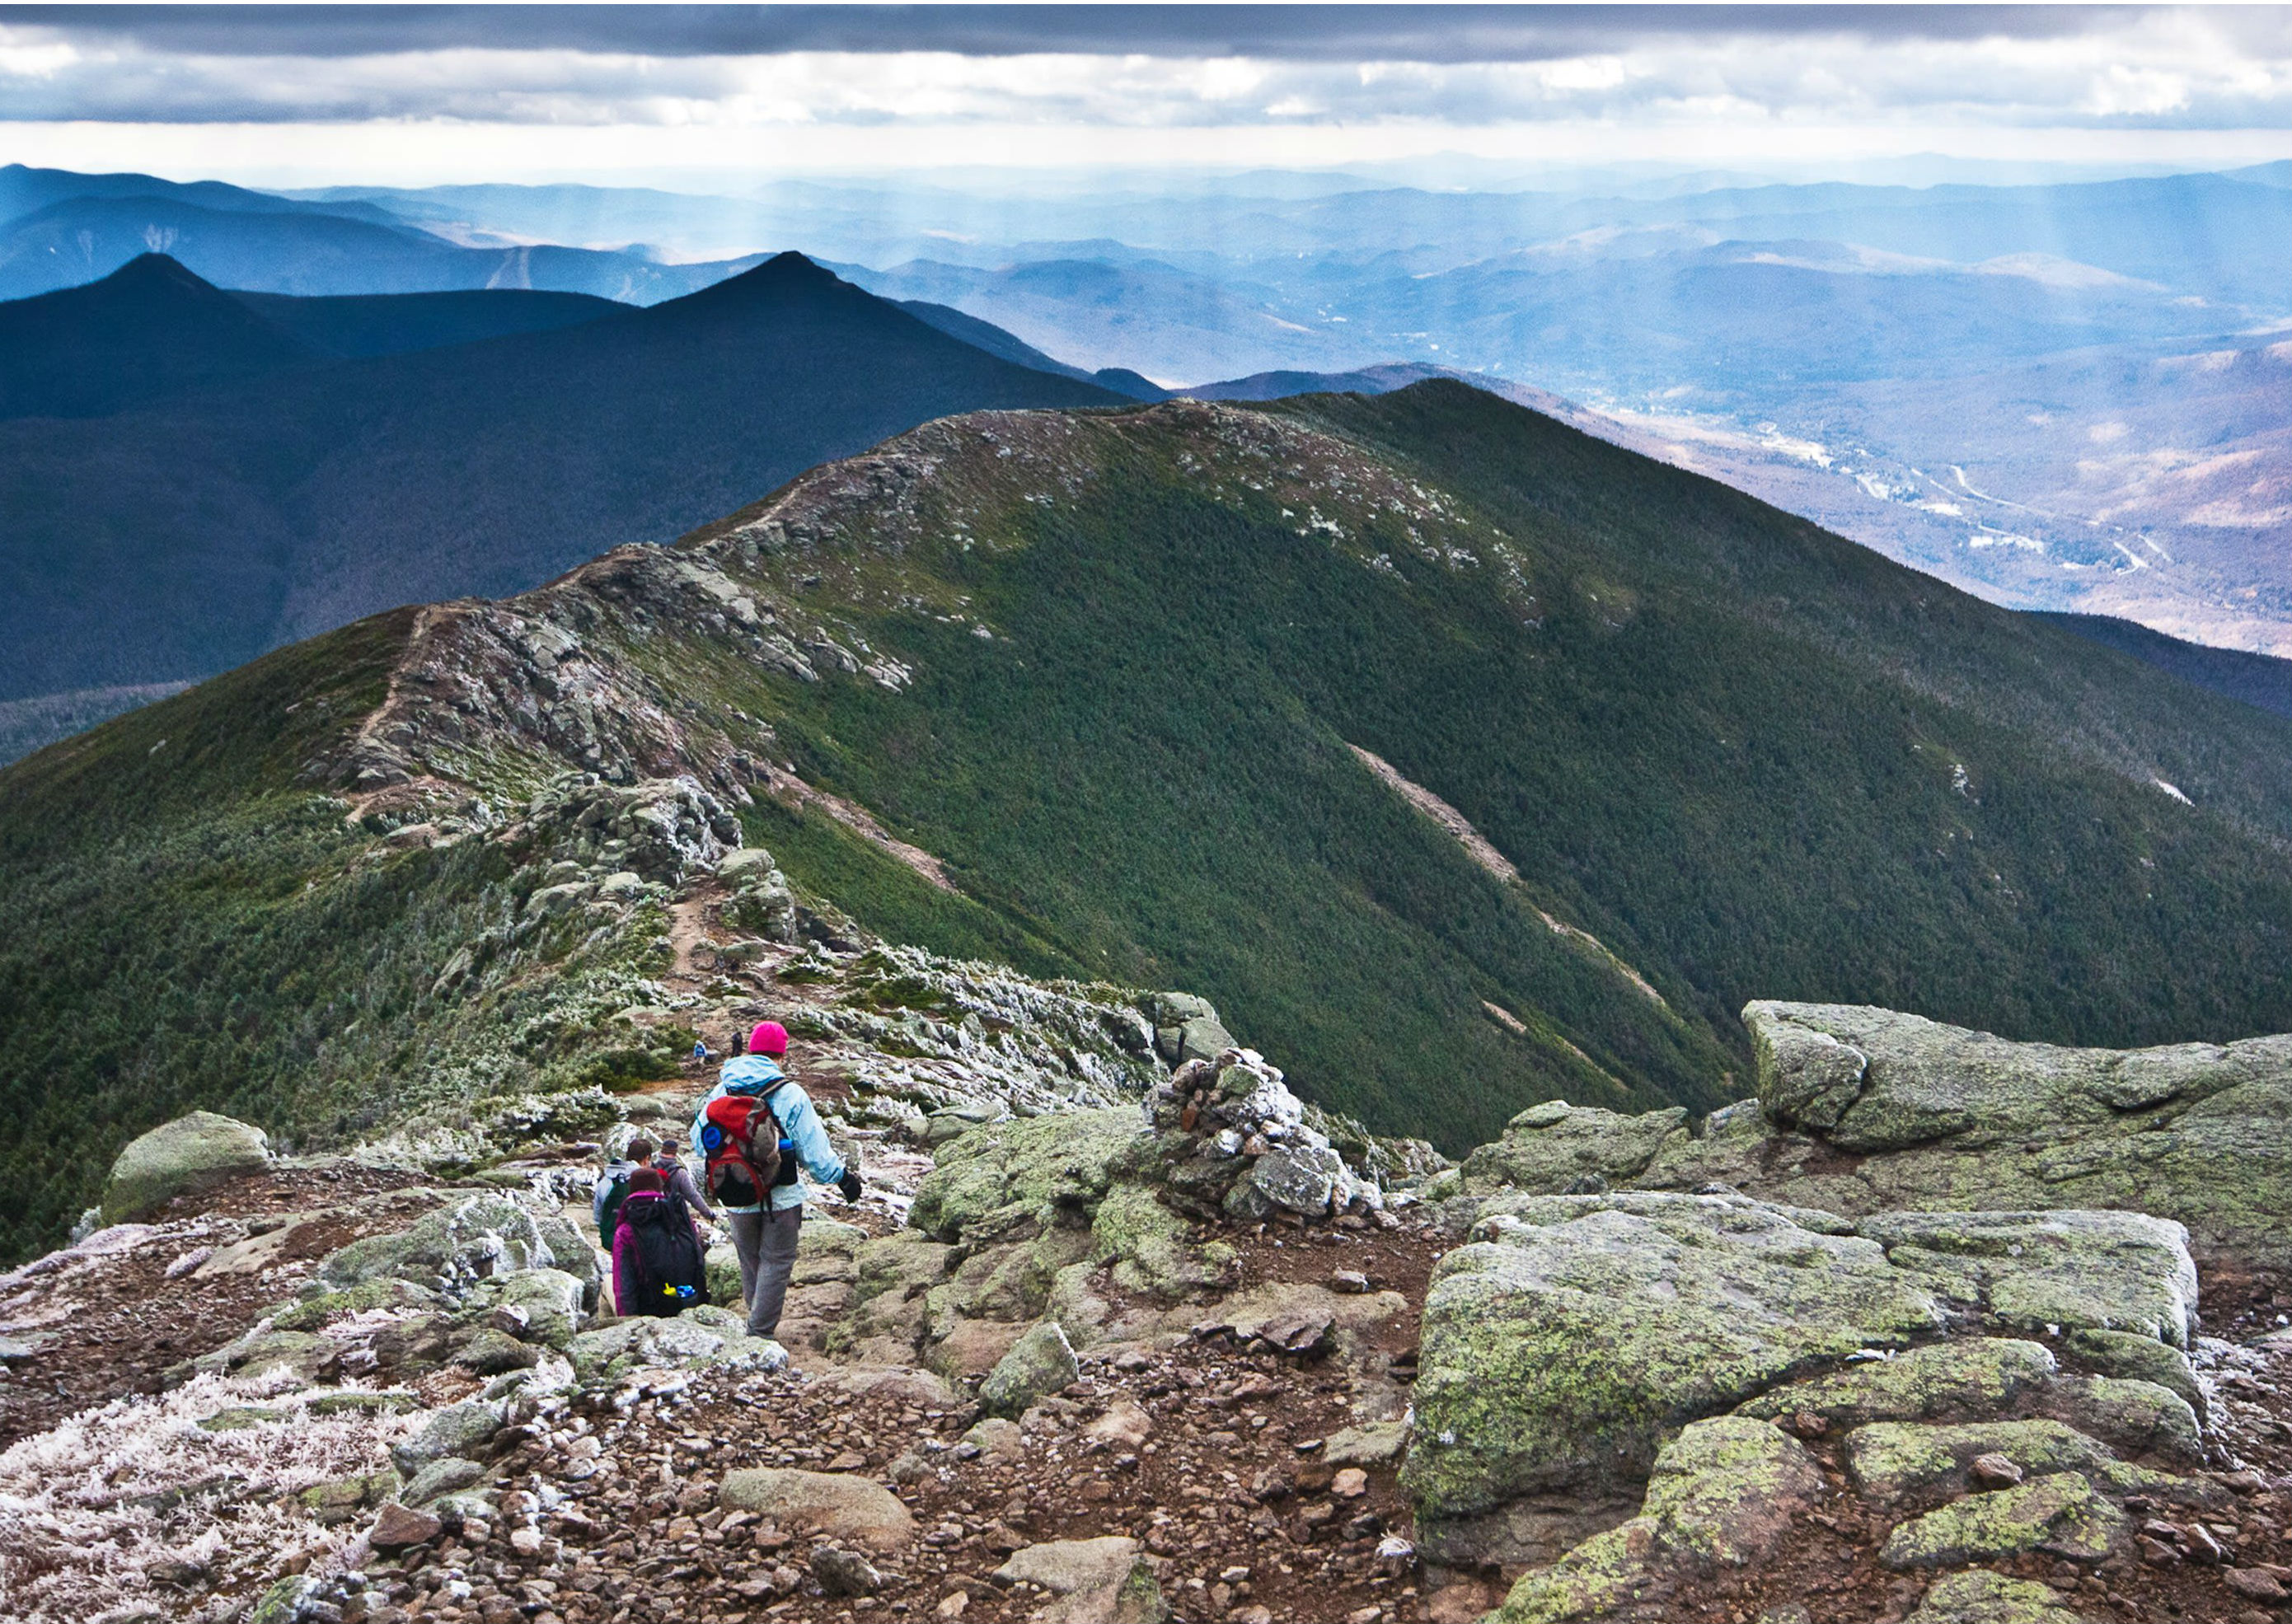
1943,1382
458,1431
833,1505
304,1354
2133,1357
1299,1179
1556,1149
1039,1364
2137,1418
1983,1597
1010,1282
193,1153
2045,1272
1943,1118
341,1499
1012,1180
547,1303
721,1269
707,1336
387,1291
1575,1333
469,1240
1722,1494
1890,1461
1149,1246
2062,1514
447,1475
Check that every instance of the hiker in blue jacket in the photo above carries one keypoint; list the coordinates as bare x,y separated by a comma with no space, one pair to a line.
764,1234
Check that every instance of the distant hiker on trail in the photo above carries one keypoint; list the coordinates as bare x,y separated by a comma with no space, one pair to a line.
659,1267
700,1051
612,1187
751,1134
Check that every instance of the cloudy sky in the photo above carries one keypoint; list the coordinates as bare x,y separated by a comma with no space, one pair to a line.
279,93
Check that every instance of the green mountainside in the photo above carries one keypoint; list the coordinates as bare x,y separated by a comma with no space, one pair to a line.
1186,696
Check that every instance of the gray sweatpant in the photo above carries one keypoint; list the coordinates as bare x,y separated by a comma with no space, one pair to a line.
767,1253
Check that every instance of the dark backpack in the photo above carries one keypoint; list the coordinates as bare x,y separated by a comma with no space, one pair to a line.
608,1216
742,1137
672,1273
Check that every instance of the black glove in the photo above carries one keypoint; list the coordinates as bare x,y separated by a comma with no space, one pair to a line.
849,1185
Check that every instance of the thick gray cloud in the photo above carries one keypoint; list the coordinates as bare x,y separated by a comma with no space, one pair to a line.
1424,34
693,82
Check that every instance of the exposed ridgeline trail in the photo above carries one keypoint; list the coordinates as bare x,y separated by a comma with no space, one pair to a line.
1083,692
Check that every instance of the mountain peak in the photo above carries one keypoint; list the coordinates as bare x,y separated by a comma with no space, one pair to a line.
784,276
156,269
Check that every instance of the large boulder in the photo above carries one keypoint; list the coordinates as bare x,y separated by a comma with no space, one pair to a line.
2045,1272
1556,1148
698,1336
1575,1334
1106,1580
1012,1181
1039,1364
1863,1110
836,1505
1938,1116
1721,1495
193,1153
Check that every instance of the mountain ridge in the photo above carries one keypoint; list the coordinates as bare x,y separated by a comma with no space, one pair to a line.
1114,670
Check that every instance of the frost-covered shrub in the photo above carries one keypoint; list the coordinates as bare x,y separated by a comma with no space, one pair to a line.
133,1507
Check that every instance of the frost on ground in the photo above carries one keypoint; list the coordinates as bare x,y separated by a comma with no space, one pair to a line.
133,1503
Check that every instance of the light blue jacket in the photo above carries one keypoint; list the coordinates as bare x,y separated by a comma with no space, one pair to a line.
799,1130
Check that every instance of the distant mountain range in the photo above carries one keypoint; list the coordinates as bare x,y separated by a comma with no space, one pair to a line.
251,485
60,229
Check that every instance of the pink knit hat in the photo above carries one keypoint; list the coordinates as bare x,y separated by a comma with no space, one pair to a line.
768,1038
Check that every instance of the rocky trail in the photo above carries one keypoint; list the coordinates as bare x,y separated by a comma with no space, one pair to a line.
1936,1330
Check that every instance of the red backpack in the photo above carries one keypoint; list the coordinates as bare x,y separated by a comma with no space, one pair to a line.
742,1137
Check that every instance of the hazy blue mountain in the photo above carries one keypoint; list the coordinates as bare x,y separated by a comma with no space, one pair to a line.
1151,316
24,190
302,250
152,329
183,536
986,335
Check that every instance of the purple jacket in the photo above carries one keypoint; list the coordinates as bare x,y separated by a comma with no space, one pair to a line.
625,1287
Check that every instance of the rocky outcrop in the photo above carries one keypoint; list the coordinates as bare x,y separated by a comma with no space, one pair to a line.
193,1153
1574,1341
1864,1110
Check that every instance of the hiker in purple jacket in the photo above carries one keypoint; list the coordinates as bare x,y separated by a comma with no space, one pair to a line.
658,1255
